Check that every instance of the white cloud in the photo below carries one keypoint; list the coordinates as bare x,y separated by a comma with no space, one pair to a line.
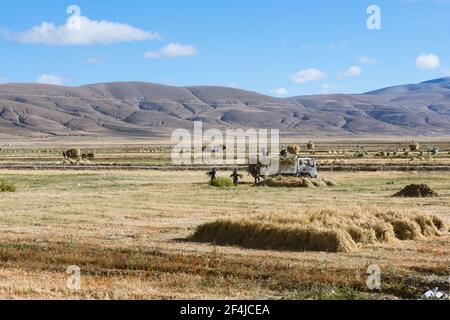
279,91
80,30
353,71
367,60
3,80
94,60
233,85
308,75
50,79
428,61
172,50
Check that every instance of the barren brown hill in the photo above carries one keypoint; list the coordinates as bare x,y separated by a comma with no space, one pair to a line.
132,109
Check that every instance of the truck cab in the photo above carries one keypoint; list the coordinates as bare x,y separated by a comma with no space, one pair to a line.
301,167
307,167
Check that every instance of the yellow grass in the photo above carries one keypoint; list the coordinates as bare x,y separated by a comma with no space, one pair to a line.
322,230
126,232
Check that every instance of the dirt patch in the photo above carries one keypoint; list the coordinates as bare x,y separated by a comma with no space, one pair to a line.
416,191
326,230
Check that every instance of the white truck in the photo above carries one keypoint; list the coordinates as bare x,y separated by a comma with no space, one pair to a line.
299,167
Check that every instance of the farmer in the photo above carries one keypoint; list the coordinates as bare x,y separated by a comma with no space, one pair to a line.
236,176
255,171
213,174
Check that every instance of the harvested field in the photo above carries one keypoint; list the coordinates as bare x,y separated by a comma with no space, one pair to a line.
126,230
325,230
136,155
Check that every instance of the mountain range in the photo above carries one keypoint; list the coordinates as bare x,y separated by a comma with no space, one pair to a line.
138,109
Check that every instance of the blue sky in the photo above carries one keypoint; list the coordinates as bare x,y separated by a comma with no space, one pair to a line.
284,48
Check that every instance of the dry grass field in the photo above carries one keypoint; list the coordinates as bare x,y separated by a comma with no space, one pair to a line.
129,231
328,153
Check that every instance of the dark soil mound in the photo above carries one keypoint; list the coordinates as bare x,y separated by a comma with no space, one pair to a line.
416,191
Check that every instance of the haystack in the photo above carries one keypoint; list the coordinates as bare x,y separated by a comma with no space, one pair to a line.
414,146
324,230
287,161
268,237
310,145
72,154
294,149
296,182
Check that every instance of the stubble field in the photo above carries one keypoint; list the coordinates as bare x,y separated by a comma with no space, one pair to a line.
128,233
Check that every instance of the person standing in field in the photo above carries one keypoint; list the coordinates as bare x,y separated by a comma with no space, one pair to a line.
236,176
212,174
255,171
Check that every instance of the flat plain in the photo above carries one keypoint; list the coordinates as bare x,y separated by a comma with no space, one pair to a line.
128,231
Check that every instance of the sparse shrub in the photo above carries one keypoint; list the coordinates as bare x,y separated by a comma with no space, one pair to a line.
221,182
7,186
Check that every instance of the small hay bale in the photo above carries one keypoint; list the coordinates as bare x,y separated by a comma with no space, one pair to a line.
360,235
287,161
384,232
318,182
310,145
427,227
72,154
440,225
88,156
294,149
286,182
414,146
330,183
406,230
